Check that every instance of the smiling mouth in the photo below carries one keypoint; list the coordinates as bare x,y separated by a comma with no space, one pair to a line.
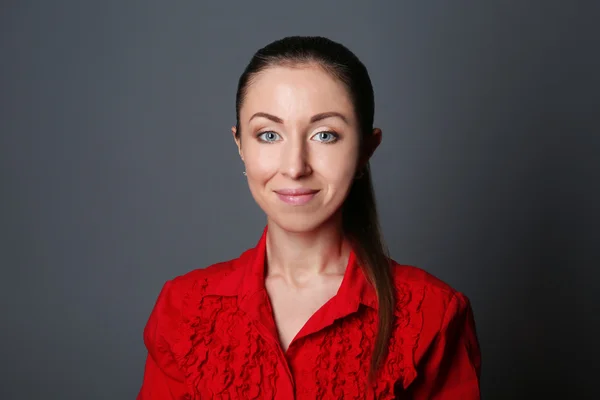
296,197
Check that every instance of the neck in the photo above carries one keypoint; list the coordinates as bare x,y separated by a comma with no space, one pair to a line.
299,256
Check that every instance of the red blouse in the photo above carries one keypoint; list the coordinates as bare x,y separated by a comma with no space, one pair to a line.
211,335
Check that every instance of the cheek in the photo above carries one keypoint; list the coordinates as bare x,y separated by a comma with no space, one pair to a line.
261,161
339,167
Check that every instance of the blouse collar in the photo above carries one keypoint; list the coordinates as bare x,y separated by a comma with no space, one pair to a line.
354,290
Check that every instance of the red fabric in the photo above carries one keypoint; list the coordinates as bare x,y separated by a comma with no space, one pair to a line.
211,335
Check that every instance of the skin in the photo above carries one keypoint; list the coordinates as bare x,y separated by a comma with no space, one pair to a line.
309,140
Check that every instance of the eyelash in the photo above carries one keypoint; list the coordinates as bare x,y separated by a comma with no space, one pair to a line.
336,137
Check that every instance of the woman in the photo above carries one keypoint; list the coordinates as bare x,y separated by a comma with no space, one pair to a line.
316,310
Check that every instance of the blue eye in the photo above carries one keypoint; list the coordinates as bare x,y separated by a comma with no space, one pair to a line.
326,137
268,136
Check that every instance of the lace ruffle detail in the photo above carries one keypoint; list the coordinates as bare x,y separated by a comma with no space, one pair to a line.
208,350
343,353
399,367
223,355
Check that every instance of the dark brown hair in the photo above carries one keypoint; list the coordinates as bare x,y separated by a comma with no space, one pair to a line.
359,212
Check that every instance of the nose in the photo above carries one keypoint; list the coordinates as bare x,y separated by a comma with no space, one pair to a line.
294,160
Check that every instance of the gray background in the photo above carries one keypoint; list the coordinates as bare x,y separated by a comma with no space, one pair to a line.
118,172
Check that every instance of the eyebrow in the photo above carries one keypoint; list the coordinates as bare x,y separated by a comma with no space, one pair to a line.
330,114
314,118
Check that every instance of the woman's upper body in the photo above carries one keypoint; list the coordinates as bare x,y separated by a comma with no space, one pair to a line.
315,310
212,335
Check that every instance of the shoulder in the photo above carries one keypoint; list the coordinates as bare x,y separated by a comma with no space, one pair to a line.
425,295
429,307
179,299
411,279
222,278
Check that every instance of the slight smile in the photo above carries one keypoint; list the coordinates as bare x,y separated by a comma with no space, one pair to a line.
296,197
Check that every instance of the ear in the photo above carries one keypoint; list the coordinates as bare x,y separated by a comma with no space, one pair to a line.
238,141
370,145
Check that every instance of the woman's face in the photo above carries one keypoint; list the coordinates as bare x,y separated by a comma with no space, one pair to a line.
299,141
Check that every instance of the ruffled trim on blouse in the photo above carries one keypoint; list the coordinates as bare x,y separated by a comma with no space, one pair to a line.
211,356
405,339
344,352
207,347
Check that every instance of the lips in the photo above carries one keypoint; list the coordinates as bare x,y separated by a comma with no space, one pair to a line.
295,192
296,197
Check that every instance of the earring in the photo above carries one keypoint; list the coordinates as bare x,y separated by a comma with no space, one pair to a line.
244,173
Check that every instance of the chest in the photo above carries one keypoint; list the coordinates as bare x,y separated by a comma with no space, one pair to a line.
230,358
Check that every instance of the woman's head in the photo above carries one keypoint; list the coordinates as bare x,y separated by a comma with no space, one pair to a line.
304,109
304,112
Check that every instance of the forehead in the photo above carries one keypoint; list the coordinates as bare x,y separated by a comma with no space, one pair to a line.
295,91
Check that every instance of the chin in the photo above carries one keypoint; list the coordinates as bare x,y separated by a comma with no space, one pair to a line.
300,223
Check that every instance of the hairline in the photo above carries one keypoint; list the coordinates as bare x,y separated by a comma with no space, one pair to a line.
295,63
